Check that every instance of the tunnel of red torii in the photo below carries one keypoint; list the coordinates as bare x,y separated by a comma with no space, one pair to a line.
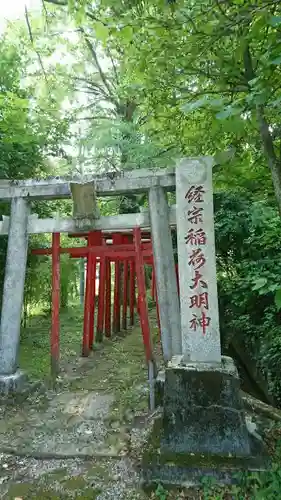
128,252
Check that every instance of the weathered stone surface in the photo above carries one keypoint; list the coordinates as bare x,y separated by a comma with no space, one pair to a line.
112,223
186,476
187,469
159,388
73,424
13,289
109,184
197,262
85,206
203,411
166,283
12,385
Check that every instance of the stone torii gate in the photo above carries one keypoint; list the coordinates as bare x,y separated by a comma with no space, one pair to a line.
86,217
203,411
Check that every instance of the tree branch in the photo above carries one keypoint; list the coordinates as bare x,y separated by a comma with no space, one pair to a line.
61,3
98,66
113,66
218,3
92,85
32,41
103,117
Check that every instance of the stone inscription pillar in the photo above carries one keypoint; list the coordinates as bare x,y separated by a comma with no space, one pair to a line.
197,261
203,410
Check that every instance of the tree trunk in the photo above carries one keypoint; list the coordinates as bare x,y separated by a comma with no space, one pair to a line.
260,407
269,151
274,163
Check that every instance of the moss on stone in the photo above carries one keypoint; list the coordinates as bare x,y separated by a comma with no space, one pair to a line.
55,475
152,448
19,489
89,493
75,483
51,485
32,490
154,455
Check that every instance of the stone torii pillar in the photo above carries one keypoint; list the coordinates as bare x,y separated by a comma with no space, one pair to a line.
166,280
13,380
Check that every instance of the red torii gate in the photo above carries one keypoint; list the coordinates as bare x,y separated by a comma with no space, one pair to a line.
126,248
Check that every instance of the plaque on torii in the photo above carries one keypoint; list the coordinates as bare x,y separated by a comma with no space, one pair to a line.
85,206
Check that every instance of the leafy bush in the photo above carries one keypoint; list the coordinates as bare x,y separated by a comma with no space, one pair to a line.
248,242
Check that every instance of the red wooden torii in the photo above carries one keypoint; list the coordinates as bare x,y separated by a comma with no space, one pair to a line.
133,250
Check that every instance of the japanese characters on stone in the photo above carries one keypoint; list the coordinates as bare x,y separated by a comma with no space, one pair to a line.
196,240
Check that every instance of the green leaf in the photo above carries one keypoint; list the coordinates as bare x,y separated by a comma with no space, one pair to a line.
276,102
228,112
224,156
259,283
127,33
254,81
101,31
276,61
200,103
192,106
275,20
277,299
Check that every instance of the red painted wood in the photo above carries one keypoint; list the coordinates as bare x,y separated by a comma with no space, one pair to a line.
119,251
92,302
83,252
89,302
108,299
55,329
142,296
125,239
116,301
101,303
125,294
87,306
114,249
132,292
94,239
116,327
107,235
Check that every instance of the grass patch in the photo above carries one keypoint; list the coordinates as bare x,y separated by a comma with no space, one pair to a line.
34,356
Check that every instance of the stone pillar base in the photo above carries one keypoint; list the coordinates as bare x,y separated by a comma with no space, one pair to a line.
201,429
203,409
13,385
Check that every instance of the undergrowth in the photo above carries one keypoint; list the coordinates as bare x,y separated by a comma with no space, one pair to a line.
35,340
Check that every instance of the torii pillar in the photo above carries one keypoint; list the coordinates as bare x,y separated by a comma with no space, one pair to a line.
13,380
